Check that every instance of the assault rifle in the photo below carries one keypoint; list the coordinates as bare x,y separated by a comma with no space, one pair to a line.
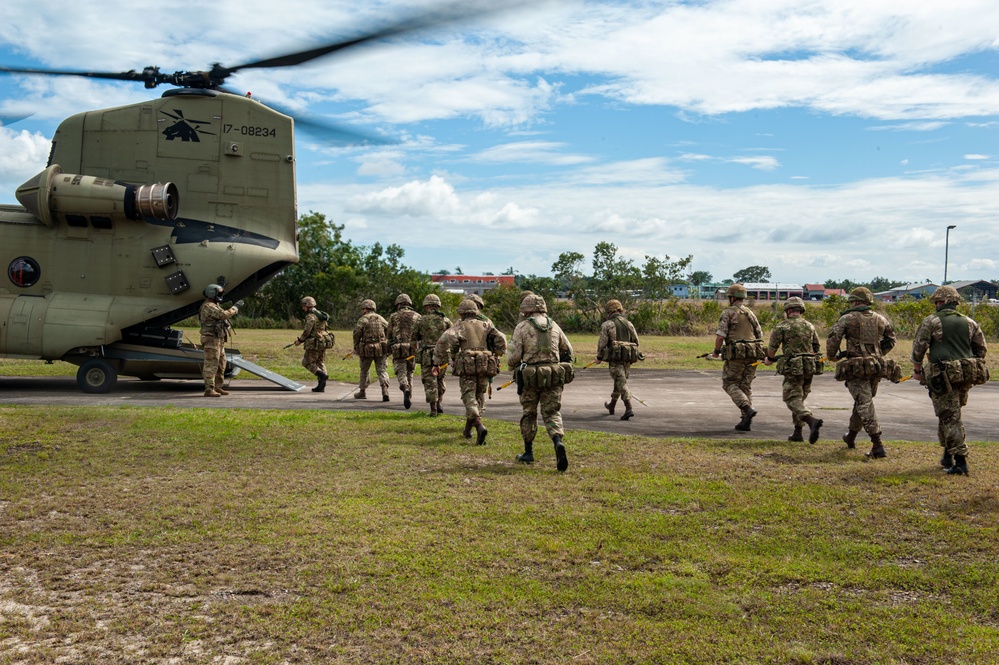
349,354
589,365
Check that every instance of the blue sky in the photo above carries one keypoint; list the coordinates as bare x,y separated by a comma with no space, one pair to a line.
831,139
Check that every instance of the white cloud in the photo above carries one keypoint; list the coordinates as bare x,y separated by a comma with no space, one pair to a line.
977,157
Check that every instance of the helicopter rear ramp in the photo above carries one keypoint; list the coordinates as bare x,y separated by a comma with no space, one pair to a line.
263,373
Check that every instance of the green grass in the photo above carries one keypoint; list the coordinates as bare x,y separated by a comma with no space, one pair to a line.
143,535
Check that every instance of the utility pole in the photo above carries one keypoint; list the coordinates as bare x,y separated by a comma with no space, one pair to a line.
947,251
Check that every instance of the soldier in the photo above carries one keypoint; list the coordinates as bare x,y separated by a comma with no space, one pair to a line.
400,332
742,335
869,336
475,346
427,330
541,357
618,345
215,329
371,345
799,362
480,305
523,296
316,339
957,349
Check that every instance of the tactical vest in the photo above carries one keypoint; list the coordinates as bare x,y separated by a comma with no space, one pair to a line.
743,328
402,333
956,342
374,344
430,328
475,359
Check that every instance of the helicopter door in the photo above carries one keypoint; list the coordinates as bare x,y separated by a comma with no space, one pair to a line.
24,327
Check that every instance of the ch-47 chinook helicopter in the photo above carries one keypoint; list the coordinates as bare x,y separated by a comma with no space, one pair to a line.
142,206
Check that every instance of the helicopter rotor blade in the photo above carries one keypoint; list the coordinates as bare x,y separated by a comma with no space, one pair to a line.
453,12
130,75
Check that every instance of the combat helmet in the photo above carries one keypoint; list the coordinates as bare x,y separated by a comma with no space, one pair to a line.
432,299
861,294
369,304
525,293
308,301
467,307
614,306
533,303
214,292
403,299
737,291
946,295
794,302
477,299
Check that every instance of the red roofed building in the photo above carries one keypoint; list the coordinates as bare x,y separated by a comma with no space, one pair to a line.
469,284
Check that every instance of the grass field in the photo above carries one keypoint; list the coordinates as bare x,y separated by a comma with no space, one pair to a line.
145,535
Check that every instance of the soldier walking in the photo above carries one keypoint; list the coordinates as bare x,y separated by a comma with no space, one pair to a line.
474,346
740,332
799,361
215,329
427,330
371,346
316,339
869,336
618,345
400,332
541,357
956,347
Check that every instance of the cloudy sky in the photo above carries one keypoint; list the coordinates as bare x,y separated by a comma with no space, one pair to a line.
825,139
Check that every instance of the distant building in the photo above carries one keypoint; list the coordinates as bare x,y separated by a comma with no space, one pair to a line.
469,284
916,291
976,290
819,292
775,291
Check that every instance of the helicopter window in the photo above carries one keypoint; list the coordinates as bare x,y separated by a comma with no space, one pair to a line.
24,271
101,223
76,220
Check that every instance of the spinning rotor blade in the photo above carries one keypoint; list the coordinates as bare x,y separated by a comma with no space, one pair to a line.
130,75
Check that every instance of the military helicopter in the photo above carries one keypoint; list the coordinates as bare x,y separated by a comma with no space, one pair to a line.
140,207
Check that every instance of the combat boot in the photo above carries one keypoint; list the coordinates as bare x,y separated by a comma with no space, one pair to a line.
385,396
407,398
480,439
210,392
360,394
960,466
796,434
440,406
850,439
877,450
221,391
947,460
628,413
321,387
814,425
528,456
747,418
467,432
433,409
561,461
610,405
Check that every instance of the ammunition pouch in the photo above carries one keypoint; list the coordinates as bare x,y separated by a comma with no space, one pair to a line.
320,341
744,349
402,350
622,352
544,375
944,376
801,364
373,349
891,370
476,362
425,355
859,367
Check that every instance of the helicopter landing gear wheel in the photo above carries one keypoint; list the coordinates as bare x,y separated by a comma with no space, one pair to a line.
96,376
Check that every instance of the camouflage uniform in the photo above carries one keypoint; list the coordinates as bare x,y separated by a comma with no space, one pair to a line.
798,364
949,336
538,341
473,345
742,335
617,329
371,346
400,333
427,330
215,329
868,336
315,337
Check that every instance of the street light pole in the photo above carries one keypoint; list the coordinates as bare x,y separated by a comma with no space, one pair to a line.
947,250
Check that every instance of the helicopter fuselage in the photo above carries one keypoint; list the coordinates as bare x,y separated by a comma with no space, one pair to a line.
140,208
